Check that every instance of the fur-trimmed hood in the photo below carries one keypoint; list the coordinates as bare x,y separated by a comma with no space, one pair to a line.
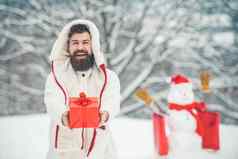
59,50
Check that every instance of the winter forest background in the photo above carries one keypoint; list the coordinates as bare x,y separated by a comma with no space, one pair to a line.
144,42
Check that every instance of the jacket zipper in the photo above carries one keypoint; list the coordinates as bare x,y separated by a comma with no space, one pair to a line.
56,136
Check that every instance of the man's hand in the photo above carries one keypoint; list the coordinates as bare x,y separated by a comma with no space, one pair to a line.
104,116
65,118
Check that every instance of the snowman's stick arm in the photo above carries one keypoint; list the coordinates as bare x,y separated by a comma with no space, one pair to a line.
149,101
158,109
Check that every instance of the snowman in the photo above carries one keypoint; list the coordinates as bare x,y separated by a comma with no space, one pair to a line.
182,124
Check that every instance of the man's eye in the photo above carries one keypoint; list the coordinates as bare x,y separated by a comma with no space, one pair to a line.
86,42
75,43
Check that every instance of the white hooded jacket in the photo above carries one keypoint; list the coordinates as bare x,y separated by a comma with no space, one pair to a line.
62,83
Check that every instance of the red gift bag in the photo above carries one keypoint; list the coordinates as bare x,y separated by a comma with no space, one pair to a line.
210,131
83,112
160,138
200,109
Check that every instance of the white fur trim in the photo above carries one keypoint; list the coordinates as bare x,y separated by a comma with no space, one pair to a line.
58,51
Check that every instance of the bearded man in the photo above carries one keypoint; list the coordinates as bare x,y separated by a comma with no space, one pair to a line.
77,65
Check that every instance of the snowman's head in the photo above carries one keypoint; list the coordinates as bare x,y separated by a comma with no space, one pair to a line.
181,91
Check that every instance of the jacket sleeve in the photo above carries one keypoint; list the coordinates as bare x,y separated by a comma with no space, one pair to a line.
54,100
111,96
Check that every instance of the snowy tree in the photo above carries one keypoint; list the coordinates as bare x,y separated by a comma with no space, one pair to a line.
144,42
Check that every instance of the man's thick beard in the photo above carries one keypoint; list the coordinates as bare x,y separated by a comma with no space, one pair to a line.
82,64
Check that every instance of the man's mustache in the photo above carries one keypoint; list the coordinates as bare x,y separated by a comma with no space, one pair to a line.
79,53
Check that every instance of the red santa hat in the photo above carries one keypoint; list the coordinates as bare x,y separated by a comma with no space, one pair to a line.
181,90
179,79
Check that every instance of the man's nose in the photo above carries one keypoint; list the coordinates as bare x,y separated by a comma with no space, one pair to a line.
80,46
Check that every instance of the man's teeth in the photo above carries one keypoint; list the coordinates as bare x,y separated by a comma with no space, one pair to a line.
81,55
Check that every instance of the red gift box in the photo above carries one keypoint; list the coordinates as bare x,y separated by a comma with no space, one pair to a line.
210,132
83,112
160,138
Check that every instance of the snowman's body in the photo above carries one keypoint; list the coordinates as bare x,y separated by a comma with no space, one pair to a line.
181,123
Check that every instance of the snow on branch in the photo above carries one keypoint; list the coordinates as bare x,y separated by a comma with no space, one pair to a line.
27,89
140,78
13,10
227,100
131,108
13,55
125,54
223,110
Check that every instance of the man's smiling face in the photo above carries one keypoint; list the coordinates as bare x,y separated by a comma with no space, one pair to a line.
80,45
80,50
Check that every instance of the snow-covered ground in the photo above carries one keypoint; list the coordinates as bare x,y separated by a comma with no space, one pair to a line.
25,137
